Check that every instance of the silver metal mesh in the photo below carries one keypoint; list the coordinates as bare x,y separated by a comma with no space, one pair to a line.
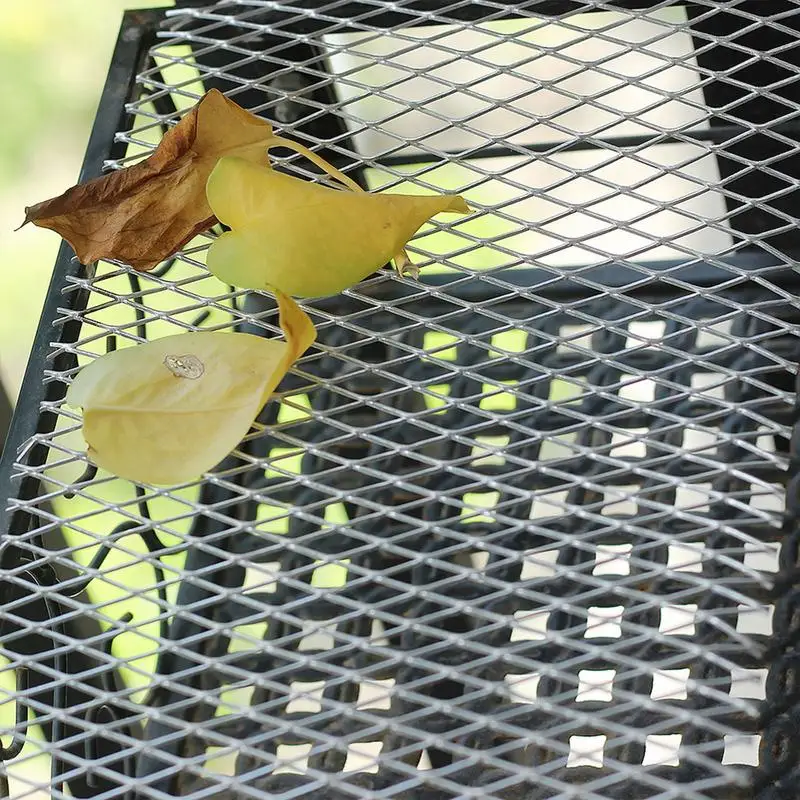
508,531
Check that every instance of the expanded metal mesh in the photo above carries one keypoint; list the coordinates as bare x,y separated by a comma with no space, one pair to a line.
508,531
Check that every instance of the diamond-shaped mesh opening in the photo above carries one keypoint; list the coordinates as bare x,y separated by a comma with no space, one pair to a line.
512,530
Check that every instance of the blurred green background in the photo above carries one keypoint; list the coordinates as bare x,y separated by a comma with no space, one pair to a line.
53,60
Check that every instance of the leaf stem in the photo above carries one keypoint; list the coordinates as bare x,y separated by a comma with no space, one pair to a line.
279,141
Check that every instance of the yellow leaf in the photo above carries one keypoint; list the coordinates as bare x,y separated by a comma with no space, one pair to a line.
168,410
305,239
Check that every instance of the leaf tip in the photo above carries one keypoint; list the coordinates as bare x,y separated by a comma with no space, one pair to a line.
297,326
458,205
31,215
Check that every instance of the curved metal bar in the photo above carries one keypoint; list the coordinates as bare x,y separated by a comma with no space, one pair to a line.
162,272
94,714
138,305
154,546
87,476
100,556
21,722
60,665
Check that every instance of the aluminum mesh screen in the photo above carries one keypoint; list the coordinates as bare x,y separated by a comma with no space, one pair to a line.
508,531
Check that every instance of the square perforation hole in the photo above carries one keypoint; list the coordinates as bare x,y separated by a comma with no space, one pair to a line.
377,636
620,500
670,684
685,556
523,688
708,385
318,637
529,625
749,683
629,444
513,341
636,389
762,556
331,575
595,685
755,619
294,409
549,504
555,448
262,577
604,622
764,499
272,519
497,399
702,442
436,397
305,697
375,694
741,748
234,699
247,637
695,497
766,440
567,391
539,564
612,559
645,333
489,450
663,749
678,620
441,345
478,505
586,751
284,462
221,760
573,338
714,336
336,514
292,758
362,757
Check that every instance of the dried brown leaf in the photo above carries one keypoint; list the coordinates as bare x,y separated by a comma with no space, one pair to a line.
144,213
